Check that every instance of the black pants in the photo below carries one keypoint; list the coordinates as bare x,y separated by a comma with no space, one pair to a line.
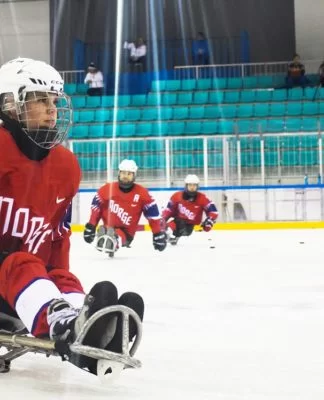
182,228
95,92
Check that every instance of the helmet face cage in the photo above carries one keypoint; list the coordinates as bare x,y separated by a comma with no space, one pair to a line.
48,136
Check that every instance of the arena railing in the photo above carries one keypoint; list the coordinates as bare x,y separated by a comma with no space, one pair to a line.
240,70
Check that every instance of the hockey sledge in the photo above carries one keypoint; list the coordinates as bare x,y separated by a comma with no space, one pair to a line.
17,344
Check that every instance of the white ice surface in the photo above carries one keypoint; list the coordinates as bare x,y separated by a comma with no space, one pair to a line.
242,321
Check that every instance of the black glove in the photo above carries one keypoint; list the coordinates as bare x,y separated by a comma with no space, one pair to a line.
89,233
159,241
207,224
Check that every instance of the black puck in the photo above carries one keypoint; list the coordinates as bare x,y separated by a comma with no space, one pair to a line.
212,247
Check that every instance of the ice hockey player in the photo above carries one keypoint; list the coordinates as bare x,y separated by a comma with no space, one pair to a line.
38,179
185,210
120,205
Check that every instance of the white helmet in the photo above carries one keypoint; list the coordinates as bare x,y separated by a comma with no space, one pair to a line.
21,76
128,165
191,179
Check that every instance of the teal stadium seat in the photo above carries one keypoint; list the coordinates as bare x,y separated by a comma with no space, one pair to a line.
180,113
309,158
107,101
320,94
168,99
86,116
264,81
132,114
251,159
258,125
172,85
232,97
176,128
216,97
228,111
243,126
226,126
271,158
293,124
204,84
70,89
149,114
309,93
188,84
279,95
219,83
111,130
234,83
188,144
96,131
155,145
295,94
138,100
196,112
183,160
209,127
277,109
279,81
250,82
308,141
82,88
310,108
160,129
158,86
261,110
212,112
154,161
124,100
78,101
215,144
143,129
310,124
103,115
93,101
248,96
184,98
153,99
289,142
271,142
193,127
200,98
198,159
215,160
263,96
127,130
119,115
165,113
250,143
294,108
78,132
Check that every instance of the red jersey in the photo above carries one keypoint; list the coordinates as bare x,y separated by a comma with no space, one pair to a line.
35,197
123,210
190,211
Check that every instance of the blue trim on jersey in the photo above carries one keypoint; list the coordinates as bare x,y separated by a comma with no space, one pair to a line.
151,212
202,188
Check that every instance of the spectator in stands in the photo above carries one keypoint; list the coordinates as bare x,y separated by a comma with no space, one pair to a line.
296,73
321,74
94,79
200,50
137,57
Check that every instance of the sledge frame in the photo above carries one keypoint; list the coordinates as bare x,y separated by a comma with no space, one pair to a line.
18,344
